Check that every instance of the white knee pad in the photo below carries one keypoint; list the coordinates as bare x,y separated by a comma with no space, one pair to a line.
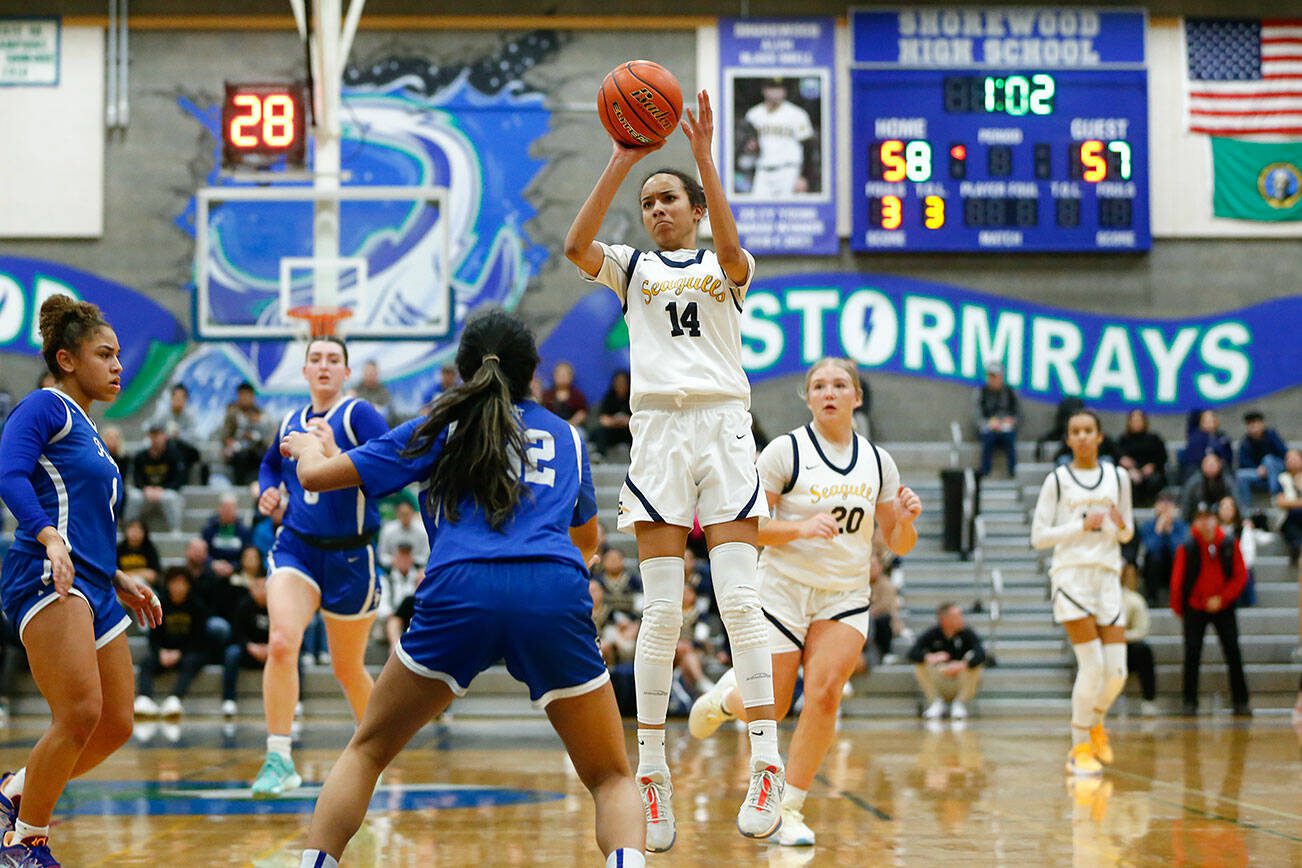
657,637
1113,676
736,591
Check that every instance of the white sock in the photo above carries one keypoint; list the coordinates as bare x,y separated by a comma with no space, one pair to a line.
318,859
1085,690
280,744
1114,679
764,743
794,797
651,750
23,832
13,785
626,857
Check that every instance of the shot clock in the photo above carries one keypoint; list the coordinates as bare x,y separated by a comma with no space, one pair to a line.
1001,129
262,124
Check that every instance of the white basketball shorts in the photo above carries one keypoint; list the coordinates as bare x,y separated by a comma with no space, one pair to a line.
791,607
1087,592
696,462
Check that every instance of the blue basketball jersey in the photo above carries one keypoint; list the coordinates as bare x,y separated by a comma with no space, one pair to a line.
558,494
347,512
56,472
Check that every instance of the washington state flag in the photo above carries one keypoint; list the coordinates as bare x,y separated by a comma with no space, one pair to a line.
1257,180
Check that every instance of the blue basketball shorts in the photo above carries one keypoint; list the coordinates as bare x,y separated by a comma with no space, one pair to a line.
26,588
536,615
346,580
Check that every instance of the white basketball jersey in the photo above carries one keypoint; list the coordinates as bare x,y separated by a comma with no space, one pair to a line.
813,477
684,324
1066,497
781,133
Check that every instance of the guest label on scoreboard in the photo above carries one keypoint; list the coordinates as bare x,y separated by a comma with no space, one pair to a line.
999,130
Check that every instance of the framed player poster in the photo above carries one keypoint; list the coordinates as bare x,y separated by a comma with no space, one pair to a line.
777,132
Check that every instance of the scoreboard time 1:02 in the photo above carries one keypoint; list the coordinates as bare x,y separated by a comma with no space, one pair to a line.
1016,160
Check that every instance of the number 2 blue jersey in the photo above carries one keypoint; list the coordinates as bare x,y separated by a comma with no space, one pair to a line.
558,494
56,472
343,513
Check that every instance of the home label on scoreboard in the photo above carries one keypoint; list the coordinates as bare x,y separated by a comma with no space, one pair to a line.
1002,129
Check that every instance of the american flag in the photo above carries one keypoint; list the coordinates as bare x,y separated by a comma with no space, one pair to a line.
1245,76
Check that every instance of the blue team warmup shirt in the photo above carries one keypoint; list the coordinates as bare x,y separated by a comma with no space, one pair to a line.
56,472
558,494
344,513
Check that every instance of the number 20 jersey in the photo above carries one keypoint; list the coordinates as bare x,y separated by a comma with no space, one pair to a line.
814,477
684,324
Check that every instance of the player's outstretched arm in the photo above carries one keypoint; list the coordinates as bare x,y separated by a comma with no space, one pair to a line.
699,129
581,246
316,472
896,519
585,538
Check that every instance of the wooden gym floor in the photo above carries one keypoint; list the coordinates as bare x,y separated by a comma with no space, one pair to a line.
1212,791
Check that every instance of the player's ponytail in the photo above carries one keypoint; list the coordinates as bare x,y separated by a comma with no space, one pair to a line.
485,446
65,323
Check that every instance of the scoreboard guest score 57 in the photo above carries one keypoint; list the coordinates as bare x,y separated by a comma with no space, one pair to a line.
1002,129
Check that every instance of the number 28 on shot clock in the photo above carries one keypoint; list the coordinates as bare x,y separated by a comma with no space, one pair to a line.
263,123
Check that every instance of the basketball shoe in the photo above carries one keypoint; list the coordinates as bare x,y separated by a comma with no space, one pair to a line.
31,853
276,778
1081,761
1099,744
793,832
8,809
708,713
761,814
657,805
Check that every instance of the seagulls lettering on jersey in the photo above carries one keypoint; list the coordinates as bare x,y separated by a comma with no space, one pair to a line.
707,284
832,492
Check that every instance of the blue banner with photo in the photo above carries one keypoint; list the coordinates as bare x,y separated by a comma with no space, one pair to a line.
777,132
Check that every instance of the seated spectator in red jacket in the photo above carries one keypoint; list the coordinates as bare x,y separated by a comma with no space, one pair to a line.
1206,580
1143,455
564,398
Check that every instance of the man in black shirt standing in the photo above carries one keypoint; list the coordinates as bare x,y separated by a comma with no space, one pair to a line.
947,661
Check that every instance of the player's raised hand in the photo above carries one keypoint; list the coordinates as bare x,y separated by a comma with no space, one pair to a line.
321,429
821,526
699,127
908,505
269,500
298,443
627,154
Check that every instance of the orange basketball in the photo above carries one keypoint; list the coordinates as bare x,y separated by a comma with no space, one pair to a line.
640,103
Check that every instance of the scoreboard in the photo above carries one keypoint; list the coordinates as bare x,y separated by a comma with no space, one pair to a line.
994,153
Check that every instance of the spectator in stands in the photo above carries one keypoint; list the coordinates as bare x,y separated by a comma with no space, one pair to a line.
159,473
1206,581
403,529
398,593
1203,440
884,609
1139,654
1161,535
137,555
1143,456
253,563
248,650
227,537
996,419
1232,522
564,398
621,584
1289,499
688,659
214,593
244,438
1208,485
947,662
179,421
1261,458
374,392
613,414
178,643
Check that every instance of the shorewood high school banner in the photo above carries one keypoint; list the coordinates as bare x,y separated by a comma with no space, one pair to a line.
942,332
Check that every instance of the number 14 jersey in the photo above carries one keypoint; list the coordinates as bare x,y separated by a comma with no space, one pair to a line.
684,324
